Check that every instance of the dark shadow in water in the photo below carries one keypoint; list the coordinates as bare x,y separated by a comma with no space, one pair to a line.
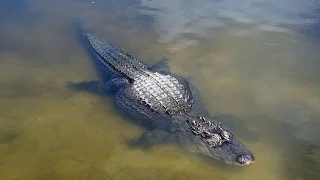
134,143
92,87
95,88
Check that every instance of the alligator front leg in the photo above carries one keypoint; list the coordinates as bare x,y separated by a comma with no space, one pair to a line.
152,137
115,84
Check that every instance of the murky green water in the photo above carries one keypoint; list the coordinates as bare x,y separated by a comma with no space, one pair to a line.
266,76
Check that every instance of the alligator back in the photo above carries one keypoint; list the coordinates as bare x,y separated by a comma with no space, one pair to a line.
158,91
162,93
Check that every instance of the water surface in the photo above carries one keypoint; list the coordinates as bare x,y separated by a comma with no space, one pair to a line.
257,60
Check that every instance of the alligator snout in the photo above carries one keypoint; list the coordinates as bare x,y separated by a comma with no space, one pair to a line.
245,159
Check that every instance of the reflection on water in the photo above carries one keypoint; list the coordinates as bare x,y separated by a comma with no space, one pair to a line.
185,21
251,60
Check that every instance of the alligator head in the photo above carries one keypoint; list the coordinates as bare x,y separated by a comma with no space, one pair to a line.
212,139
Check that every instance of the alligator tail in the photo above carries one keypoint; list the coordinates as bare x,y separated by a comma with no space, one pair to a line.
111,56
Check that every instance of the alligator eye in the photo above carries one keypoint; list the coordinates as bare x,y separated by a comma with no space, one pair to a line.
214,140
206,134
226,135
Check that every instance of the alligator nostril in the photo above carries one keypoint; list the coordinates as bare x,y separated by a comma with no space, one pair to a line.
245,159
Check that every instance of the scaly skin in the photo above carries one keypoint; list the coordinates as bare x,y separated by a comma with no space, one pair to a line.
169,104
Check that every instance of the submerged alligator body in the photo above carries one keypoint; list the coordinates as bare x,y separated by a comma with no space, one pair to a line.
168,103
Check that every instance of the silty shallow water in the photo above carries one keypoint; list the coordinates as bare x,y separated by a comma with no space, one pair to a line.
257,60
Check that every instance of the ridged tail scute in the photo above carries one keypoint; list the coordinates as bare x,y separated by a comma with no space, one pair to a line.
111,55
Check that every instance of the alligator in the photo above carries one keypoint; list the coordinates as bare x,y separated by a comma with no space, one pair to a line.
168,104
